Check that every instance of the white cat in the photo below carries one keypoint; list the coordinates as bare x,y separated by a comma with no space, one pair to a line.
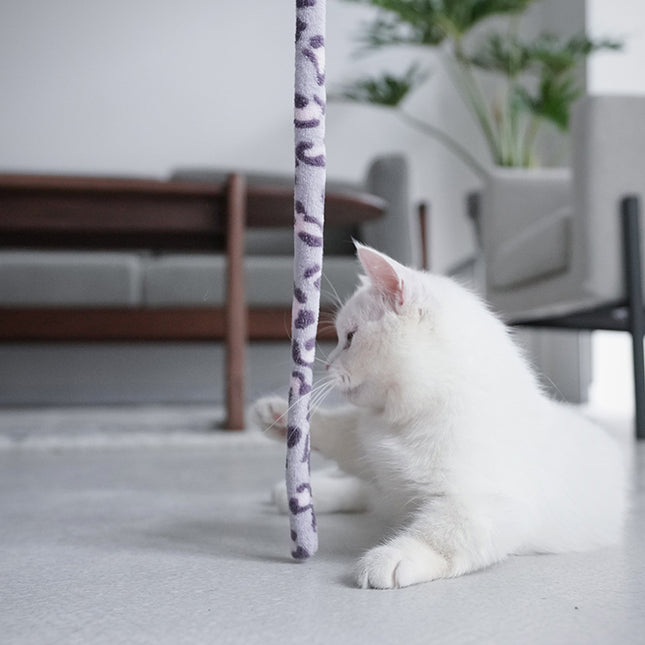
447,417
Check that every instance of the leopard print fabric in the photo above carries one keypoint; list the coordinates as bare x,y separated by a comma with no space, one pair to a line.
309,197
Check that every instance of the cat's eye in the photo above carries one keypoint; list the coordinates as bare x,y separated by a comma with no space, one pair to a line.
348,339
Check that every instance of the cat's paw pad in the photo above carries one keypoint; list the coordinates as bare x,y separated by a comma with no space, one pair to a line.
403,562
270,415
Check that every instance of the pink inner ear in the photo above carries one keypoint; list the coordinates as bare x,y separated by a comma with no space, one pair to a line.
382,274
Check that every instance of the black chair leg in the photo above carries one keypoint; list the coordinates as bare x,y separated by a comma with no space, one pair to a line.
630,213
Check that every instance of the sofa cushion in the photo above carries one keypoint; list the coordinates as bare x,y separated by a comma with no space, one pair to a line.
175,280
65,278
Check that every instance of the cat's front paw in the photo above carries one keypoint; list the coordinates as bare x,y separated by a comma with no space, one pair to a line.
402,562
269,414
280,498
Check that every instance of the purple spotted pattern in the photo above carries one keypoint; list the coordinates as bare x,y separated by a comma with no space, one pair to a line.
309,199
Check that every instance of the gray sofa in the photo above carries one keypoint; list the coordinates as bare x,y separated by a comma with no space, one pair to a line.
141,279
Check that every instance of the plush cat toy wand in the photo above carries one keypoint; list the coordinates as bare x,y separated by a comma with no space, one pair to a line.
309,202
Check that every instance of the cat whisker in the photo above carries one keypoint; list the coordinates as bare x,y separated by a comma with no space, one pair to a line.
281,418
329,316
336,298
276,422
318,393
326,325
322,360
323,382
321,393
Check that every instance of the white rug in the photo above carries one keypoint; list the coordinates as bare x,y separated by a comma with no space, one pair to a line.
117,427
52,428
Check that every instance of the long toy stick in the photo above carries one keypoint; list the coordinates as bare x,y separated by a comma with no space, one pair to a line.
309,201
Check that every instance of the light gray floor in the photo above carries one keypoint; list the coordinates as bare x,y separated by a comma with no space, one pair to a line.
140,526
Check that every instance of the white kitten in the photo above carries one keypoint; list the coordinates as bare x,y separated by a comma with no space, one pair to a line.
447,417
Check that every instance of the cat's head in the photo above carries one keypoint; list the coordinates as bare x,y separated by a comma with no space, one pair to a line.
404,334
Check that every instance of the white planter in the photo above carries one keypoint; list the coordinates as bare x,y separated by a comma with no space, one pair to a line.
523,220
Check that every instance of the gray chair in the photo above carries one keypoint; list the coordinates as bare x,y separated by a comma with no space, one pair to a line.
563,249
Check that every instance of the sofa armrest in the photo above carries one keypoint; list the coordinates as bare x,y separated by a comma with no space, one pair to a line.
395,232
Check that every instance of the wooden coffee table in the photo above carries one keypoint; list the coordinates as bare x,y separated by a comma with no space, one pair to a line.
60,212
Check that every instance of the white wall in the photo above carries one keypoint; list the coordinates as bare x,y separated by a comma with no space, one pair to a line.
143,86
622,72
139,86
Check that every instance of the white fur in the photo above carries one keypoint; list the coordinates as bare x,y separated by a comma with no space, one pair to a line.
448,419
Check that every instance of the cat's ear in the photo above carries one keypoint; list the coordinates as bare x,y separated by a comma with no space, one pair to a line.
385,274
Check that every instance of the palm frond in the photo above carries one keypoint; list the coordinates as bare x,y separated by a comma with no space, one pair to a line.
466,14
429,22
553,99
502,54
387,30
507,54
413,22
557,56
539,74
385,89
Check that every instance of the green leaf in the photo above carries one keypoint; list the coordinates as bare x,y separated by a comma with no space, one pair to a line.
553,99
502,54
386,89
557,57
506,54
387,30
430,22
465,14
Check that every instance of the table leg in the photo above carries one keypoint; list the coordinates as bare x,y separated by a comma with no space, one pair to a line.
236,310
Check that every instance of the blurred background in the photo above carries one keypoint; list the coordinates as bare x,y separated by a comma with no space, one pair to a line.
142,87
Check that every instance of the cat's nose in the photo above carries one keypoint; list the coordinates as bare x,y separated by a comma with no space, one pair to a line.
327,367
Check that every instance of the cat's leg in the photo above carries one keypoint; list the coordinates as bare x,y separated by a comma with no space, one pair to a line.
445,539
404,560
333,432
333,491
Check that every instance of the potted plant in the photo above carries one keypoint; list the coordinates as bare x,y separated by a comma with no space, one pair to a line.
534,85
537,78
